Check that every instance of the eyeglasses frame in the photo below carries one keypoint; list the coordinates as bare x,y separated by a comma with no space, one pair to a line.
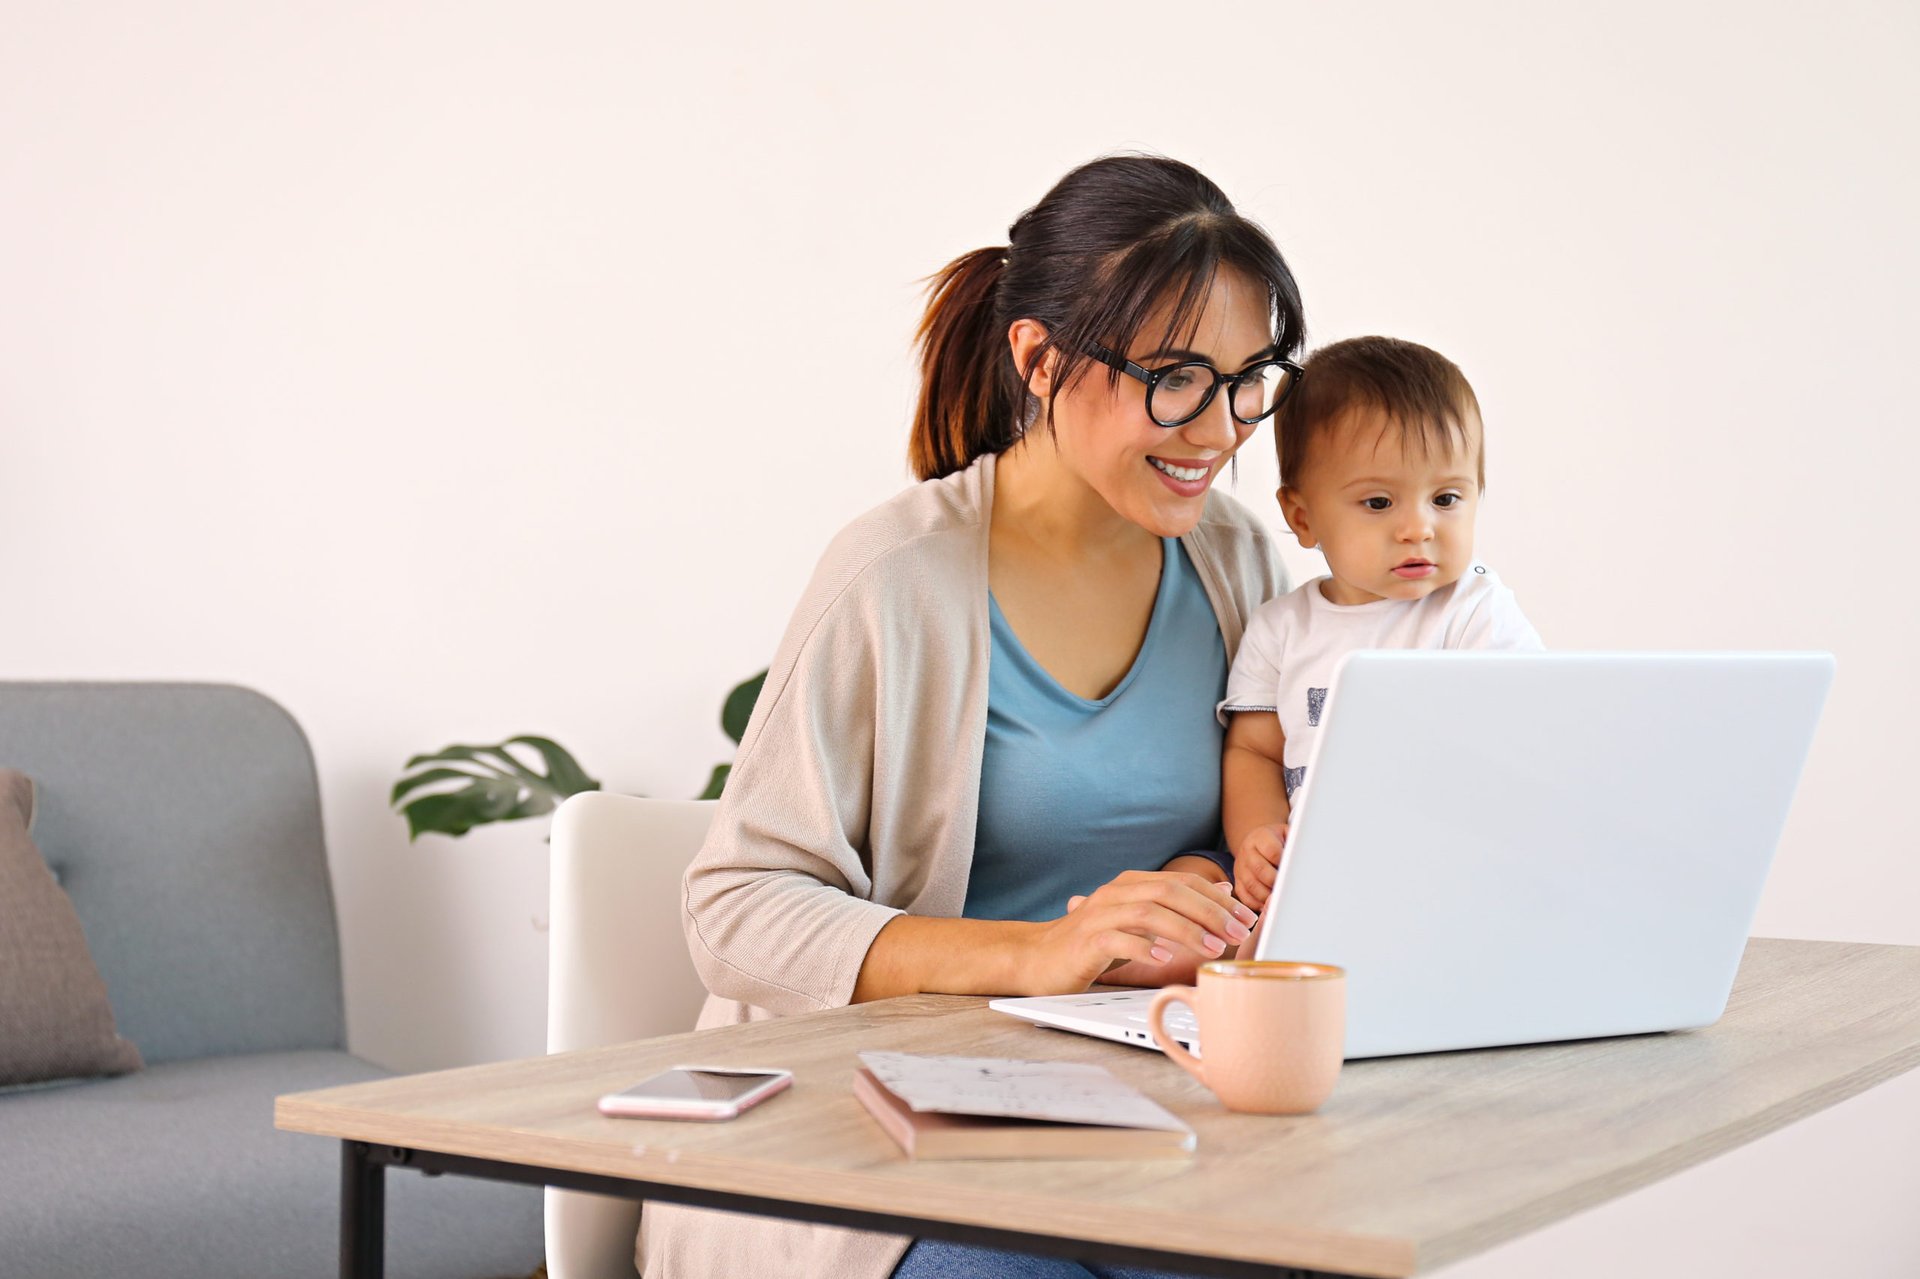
1152,377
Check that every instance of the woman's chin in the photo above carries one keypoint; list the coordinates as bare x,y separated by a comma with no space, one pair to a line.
1162,522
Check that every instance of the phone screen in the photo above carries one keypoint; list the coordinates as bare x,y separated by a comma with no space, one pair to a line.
697,1085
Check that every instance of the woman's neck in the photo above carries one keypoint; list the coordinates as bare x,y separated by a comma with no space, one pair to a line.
1038,500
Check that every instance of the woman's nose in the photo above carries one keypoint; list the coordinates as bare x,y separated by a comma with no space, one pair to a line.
1213,429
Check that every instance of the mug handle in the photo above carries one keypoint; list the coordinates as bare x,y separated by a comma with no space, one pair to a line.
1157,1010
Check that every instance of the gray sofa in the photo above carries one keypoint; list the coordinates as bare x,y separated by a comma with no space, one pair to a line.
183,820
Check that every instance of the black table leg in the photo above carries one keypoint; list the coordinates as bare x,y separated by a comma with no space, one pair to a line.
363,1213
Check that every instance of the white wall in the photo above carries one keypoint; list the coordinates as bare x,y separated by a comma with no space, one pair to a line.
451,371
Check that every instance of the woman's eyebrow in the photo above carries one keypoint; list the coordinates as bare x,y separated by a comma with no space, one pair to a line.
1184,356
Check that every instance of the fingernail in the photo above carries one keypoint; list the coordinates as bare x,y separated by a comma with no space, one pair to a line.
1246,915
1237,930
1213,944
1160,954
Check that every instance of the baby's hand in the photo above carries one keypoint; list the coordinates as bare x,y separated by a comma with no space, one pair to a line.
1256,863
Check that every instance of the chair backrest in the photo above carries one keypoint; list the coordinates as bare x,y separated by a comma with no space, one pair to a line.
183,820
617,969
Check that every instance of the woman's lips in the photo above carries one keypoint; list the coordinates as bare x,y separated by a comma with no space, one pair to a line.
1185,488
1416,569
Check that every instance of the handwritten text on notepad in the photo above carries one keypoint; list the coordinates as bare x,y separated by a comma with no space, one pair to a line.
1060,1091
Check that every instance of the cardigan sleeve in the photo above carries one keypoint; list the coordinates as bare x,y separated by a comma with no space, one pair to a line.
777,903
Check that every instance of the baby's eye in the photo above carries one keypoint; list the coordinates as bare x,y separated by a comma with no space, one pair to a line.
1376,503
1447,499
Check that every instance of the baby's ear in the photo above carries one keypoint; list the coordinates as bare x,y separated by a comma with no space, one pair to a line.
1294,511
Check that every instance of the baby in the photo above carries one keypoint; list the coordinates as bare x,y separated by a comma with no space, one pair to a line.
1381,467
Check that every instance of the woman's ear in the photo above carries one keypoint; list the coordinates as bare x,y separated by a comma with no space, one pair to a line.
1294,511
1025,339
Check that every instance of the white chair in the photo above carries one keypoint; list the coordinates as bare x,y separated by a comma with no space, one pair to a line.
617,970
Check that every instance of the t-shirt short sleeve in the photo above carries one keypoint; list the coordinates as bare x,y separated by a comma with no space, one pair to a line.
1493,621
1253,684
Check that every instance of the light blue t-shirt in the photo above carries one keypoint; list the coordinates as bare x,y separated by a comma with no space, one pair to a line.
1073,791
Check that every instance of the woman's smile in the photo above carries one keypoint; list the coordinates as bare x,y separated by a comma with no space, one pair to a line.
1187,477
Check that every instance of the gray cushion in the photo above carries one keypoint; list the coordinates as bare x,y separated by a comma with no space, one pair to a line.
178,1173
183,820
55,1021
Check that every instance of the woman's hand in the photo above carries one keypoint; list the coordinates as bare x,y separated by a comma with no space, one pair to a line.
1146,918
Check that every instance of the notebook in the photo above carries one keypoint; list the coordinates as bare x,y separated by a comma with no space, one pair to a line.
999,1108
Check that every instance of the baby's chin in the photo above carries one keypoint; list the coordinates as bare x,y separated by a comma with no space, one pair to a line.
1396,588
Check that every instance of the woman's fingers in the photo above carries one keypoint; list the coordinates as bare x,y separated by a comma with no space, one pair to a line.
1206,901
1155,919
1152,916
1241,913
1125,945
1222,890
1210,907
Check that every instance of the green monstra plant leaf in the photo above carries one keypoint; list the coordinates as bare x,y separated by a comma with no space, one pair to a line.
733,719
462,787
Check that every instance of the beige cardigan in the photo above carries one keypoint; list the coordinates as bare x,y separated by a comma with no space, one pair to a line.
853,799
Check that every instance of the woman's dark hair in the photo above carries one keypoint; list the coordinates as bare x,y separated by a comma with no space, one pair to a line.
1110,242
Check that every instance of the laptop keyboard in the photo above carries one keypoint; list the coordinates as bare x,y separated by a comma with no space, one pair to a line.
1179,1021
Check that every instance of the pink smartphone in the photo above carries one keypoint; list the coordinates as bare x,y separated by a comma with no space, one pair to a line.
696,1092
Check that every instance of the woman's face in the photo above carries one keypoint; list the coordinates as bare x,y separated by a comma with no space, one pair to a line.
1155,476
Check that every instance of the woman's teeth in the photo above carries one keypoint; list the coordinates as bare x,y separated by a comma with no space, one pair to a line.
1185,474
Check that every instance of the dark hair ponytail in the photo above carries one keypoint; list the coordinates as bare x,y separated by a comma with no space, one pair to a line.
1111,241
967,393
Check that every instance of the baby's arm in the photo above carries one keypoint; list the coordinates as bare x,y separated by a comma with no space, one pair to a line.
1253,802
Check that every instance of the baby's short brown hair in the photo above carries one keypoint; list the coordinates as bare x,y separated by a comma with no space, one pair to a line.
1417,388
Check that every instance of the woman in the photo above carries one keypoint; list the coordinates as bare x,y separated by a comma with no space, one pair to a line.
986,750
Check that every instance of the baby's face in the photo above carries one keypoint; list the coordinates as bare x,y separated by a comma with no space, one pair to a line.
1394,521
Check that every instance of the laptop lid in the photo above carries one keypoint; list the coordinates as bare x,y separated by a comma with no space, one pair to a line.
1518,848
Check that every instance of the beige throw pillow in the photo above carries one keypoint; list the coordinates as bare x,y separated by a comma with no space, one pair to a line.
55,1021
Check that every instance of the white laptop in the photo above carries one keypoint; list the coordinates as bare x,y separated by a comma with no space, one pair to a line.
1511,848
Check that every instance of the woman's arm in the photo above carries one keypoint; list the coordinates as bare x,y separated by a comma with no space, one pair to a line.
915,954
1140,917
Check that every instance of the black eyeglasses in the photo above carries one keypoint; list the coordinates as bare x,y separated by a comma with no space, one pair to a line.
1179,393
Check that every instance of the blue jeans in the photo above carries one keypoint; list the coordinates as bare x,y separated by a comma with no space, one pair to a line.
937,1259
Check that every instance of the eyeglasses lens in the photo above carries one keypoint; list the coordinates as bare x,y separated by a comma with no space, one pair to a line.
1259,391
1180,393
1184,390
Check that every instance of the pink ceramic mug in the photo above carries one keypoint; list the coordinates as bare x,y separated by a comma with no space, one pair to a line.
1272,1032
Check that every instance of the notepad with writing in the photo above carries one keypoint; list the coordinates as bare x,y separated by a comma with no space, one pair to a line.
999,1108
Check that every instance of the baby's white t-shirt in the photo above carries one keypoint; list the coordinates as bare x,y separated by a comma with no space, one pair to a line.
1294,643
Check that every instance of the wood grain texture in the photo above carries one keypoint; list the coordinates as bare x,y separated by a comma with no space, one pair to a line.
1415,1162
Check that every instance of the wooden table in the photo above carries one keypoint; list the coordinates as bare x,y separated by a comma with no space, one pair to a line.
1414,1163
